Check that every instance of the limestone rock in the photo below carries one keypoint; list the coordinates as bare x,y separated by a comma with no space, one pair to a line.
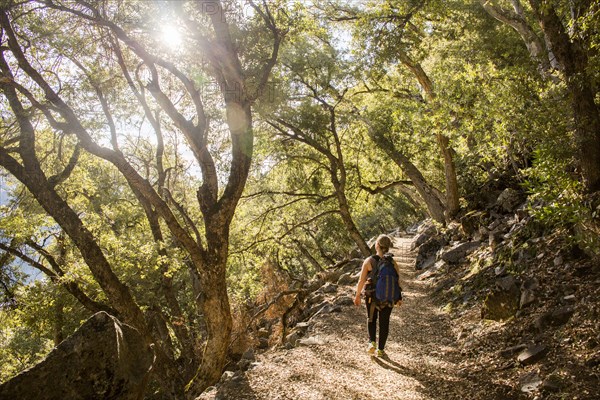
427,226
530,284
533,354
494,238
293,337
427,252
325,307
555,318
103,359
507,283
249,355
328,309
509,199
528,292
423,236
343,301
425,264
433,271
312,341
510,351
530,382
454,231
459,251
527,298
553,383
302,326
227,375
328,288
471,223
345,280
481,234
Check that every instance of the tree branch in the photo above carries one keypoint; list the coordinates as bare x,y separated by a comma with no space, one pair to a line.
66,172
56,277
385,187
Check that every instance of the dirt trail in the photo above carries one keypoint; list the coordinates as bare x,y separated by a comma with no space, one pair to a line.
419,364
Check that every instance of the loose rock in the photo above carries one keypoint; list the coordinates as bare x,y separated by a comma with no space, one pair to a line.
426,255
459,251
530,382
556,318
533,354
346,279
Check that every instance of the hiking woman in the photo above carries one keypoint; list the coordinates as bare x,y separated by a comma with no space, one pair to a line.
376,310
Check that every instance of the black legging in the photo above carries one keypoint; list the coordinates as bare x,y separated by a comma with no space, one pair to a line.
384,325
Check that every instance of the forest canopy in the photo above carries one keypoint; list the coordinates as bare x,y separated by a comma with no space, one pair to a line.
168,161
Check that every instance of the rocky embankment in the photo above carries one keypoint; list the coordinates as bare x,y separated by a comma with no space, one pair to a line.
524,299
496,308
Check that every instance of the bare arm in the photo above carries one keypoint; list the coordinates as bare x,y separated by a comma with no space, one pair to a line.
366,268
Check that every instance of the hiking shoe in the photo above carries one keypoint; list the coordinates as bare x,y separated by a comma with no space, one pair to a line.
380,353
371,348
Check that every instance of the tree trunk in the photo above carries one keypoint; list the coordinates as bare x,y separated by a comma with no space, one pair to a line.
309,257
59,321
587,132
452,199
214,305
218,320
570,56
452,204
337,170
435,205
33,178
573,58
217,206
349,223
212,271
518,22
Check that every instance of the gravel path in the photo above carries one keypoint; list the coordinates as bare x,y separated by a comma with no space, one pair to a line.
420,362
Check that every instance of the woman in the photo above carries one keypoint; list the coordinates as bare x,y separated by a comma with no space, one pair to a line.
382,246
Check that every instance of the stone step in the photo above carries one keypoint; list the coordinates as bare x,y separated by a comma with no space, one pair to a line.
404,260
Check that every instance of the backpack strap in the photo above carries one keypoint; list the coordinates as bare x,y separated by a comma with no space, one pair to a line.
374,260
376,266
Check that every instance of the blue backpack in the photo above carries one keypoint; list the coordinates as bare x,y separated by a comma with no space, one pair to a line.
383,287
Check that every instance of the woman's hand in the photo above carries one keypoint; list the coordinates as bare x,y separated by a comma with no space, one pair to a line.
362,280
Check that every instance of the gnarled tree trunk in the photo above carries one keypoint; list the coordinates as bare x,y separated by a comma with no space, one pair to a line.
572,56
435,205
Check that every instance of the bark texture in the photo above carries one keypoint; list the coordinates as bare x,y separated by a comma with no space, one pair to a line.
571,54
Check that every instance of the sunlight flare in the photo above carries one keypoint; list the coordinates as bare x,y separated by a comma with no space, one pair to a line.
171,37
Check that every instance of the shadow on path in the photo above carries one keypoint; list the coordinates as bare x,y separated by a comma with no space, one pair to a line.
433,384
238,388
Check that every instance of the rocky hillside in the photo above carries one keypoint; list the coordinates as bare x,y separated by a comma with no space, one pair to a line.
495,308
524,301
